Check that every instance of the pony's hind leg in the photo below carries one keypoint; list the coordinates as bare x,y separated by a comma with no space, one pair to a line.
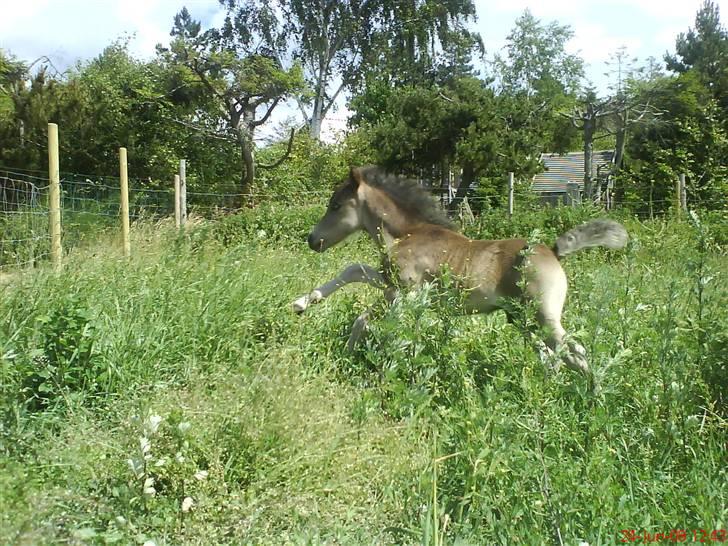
549,318
358,329
353,273
571,352
361,324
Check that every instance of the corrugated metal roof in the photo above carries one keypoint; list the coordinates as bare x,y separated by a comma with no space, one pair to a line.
561,169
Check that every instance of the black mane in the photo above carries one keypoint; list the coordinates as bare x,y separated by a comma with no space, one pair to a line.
408,194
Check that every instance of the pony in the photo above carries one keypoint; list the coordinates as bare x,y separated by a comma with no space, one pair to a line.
418,240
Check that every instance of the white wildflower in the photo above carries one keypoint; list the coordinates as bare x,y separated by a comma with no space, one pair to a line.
184,426
145,445
201,475
187,503
149,487
161,462
692,421
149,543
152,424
136,466
179,457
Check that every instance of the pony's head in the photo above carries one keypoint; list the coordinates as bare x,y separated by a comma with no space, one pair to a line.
343,215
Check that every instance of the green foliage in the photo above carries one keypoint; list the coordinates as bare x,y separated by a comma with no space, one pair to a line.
462,120
267,224
311,171
418,352
550,221
691,141
54,360
238,70
691,136
703,48
537,64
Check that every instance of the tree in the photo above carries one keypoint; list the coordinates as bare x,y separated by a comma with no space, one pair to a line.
12,76
326,47
689,139
536,62
237,67
31,101
705,48
540,80
341,43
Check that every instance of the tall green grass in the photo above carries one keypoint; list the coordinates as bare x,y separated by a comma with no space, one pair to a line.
176,398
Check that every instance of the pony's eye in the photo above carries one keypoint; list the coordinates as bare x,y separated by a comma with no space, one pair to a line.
335,206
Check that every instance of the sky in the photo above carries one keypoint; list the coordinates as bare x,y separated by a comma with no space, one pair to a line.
67,31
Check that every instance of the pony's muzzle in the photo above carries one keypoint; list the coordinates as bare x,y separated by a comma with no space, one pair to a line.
315,243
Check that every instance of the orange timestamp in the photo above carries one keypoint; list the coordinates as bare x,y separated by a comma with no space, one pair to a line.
674,535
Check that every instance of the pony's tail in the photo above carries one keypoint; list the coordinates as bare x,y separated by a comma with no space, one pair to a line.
600,232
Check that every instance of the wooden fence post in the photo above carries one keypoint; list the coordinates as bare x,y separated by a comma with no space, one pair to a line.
678,192
182,192
572,194
54,196
177,202
510,195
683,194
124,179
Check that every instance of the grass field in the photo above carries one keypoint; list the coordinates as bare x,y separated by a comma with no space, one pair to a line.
175,397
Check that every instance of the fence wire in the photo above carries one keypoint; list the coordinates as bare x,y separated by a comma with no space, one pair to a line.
24,238
91,204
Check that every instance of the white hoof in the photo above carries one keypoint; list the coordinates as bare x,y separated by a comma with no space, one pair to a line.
302,303
576,359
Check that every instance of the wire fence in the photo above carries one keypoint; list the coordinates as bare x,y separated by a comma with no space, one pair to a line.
92,204
24,237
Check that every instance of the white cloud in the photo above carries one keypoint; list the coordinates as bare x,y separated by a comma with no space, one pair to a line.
71,30
645,27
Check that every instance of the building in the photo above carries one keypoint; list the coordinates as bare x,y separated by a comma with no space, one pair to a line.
565,173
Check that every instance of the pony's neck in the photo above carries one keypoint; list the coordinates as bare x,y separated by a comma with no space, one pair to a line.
384,220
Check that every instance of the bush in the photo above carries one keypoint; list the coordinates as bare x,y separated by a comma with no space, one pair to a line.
269,223
57,360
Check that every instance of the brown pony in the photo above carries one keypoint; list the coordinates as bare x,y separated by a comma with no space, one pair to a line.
419,240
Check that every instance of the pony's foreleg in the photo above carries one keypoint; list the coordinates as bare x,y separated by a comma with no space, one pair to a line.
353,273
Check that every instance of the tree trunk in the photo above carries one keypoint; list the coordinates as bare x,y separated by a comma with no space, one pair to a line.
621,138
444,181
248,176
317,116
466,181
589,129
247,153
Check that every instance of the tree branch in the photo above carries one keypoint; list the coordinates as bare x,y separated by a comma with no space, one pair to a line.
284,157
195,68
262,120
199,129
302,108
332,100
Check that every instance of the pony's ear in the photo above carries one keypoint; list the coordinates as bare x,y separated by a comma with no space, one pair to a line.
355,175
